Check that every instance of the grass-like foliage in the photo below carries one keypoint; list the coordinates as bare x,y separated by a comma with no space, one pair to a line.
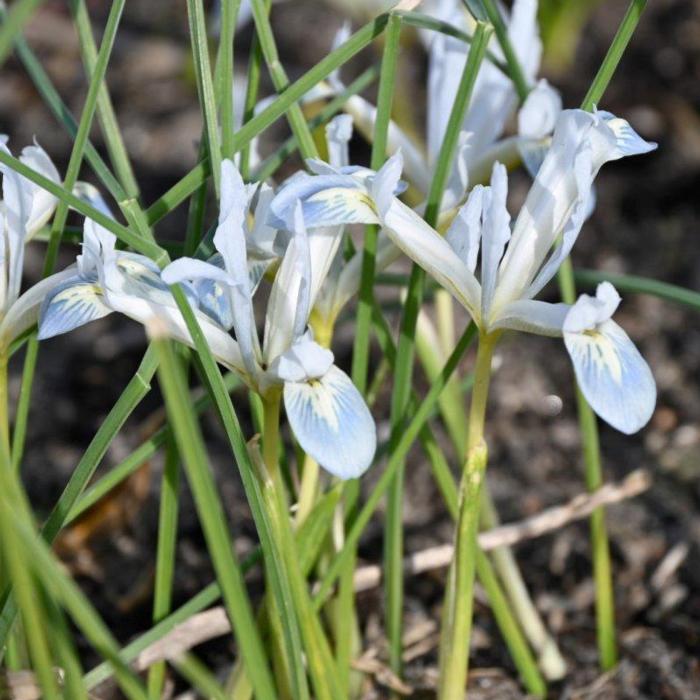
240,316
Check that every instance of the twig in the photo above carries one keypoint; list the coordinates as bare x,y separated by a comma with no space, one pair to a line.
577,508
214,622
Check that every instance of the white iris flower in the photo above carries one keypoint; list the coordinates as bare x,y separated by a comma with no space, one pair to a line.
24,210
326,412
494,102
514,264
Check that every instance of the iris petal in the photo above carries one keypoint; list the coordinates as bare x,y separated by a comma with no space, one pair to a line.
72,304
332,423
613,376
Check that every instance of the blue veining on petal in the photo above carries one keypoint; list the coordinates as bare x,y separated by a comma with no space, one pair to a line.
613,376
72,304
327,200
332,423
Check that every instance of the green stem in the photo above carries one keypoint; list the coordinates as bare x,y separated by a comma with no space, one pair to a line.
193,453
318,656
20,13
224,73
387,80
165,557
457,607
295,116
393,547
105,111
602,569
308,489
4,404
501,607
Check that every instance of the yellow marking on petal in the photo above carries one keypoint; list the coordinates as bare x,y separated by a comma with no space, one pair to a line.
606,355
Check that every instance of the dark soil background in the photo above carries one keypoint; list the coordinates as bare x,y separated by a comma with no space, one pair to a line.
646,223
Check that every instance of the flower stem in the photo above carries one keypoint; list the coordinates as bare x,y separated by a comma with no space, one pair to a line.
457,608
4,404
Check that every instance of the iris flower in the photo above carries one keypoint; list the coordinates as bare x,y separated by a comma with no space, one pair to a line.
493,103
326,412
24,210
514,264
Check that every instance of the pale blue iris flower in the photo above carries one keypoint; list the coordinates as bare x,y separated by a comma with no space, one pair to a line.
326,412
494,102
514,264
106,280
25,208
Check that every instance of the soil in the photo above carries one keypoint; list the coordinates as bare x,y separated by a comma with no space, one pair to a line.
645,224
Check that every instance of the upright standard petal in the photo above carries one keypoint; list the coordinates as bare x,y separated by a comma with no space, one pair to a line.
495,234
230,241
464,234
611,373
43,203
338,135
17,200
289,305
332,423
552,198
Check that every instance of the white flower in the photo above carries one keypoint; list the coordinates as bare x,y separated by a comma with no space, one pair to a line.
502,297
326,412
24,210
493,103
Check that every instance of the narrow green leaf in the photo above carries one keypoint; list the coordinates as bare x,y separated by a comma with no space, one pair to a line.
193,453
205,85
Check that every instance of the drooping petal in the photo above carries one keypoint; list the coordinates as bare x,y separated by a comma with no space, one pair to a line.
494,235
539,113
89,194
332,423
72,304
24,313
327,200
627,141
184,269
531,316
146,306
289,305
426,247
613,376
